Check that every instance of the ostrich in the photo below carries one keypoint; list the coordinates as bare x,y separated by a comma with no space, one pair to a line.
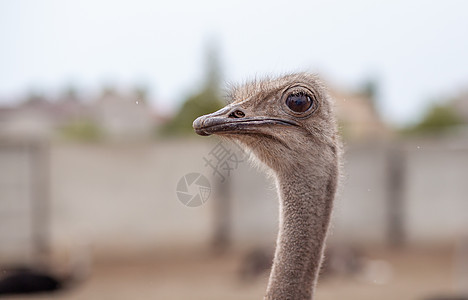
288,124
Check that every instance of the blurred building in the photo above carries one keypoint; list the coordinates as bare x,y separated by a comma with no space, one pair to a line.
358,119
123,117
117,116
460,104
32,118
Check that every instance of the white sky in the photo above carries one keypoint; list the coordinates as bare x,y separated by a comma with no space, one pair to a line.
418,50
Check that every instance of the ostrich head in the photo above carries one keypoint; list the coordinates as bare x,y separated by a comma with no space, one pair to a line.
288,123
284,121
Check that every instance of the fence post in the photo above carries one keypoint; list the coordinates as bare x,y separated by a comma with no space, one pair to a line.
222,215
40,215
395,192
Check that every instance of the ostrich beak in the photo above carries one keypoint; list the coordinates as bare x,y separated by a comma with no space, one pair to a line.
226,121
204,125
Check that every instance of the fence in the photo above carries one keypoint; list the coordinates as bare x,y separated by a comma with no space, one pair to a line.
24,235
121,198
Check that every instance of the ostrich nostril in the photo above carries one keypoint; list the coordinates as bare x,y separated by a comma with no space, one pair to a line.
237,114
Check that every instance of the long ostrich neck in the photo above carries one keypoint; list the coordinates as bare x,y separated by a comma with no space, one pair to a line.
306,201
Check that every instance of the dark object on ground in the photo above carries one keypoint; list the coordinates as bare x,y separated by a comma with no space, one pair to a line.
255,263
341,260
447,297
26,281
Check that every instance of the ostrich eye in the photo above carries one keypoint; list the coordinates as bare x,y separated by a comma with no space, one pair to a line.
299,102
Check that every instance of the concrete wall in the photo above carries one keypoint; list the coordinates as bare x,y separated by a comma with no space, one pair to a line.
122,197
16,228
436,191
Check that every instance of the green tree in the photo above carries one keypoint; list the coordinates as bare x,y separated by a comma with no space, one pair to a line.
205,101
70,93
437,119
83,130
370,89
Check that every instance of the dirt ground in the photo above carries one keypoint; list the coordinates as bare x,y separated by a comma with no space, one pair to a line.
403,274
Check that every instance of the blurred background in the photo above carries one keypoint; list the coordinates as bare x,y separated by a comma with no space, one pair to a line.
106,192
